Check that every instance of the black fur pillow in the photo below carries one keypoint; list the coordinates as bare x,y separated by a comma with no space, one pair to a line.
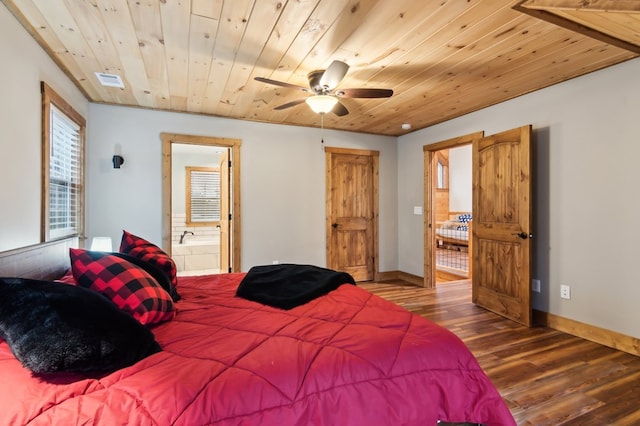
56,327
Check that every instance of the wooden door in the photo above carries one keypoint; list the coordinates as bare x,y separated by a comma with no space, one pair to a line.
225,246
352,212
502,224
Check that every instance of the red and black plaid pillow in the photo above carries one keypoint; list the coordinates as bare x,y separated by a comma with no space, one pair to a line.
143,249
130,287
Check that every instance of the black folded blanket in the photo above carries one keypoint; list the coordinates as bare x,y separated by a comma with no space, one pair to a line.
286,286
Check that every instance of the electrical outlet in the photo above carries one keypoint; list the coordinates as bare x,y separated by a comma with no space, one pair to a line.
565,292
275,262
535,286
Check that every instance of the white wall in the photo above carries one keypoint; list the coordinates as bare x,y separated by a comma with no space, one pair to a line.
282,181
24,65
460,179
207,157
586,184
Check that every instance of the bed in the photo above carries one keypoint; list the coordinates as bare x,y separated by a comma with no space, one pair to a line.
344,357
454,231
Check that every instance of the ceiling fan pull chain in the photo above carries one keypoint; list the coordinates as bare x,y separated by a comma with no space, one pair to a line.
322,130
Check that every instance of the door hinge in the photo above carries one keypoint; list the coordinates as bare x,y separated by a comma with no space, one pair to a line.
230,269
229,163
229,216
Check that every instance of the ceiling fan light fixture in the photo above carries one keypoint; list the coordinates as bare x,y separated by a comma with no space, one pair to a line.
321,104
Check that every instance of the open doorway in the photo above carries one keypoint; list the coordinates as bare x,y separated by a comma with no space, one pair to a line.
448,212
197,194
201,203
453,194
500,240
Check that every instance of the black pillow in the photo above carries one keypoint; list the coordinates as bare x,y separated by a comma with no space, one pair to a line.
56,327
158,274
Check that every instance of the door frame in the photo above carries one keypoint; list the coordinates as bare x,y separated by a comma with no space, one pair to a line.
375,201
429,272
236,224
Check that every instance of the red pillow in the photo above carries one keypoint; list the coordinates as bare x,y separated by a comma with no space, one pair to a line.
144,250
130,287
67,278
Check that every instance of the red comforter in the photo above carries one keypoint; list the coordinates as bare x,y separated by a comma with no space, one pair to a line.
347,358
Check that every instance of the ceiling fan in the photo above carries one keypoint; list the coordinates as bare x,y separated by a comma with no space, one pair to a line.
322,85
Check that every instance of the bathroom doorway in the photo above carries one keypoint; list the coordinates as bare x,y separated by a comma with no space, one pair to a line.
201,207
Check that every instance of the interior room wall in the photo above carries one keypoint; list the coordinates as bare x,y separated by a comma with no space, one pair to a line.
24,66
586,144
180,161
282,181
460,179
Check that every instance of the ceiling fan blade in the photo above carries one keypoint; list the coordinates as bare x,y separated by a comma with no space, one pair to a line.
364,93
290,104
334,74
281,83
340,110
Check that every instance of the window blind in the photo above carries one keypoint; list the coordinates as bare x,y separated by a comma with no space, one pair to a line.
205,196
64,174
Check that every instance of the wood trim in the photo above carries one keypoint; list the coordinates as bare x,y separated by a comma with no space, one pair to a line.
589,332
453,142
630,6
234,144
375,155
51,97
187,191
376,210
545,15
410,278
399,275
387,276
334,150
592,333
430,201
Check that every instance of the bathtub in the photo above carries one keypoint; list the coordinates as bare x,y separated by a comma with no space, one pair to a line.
197,242
197,256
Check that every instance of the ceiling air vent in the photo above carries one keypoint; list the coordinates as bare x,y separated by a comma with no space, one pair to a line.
111,80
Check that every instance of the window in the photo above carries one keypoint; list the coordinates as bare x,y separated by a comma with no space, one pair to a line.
203,196
442,172
63,131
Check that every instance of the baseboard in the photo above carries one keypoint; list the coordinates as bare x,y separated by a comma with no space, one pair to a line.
592,333
399,275
387,276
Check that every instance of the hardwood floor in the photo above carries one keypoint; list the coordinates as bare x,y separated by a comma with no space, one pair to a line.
546,377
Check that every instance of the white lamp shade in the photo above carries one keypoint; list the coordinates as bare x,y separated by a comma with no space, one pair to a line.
101,244
321,104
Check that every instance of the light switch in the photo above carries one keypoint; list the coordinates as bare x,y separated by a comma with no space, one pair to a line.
417,210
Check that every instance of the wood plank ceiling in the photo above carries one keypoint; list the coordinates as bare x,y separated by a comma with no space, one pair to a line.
442,58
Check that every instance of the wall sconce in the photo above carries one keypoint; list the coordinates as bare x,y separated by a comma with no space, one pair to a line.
118,160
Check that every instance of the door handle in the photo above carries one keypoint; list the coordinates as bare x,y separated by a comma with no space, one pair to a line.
524,235
334,225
